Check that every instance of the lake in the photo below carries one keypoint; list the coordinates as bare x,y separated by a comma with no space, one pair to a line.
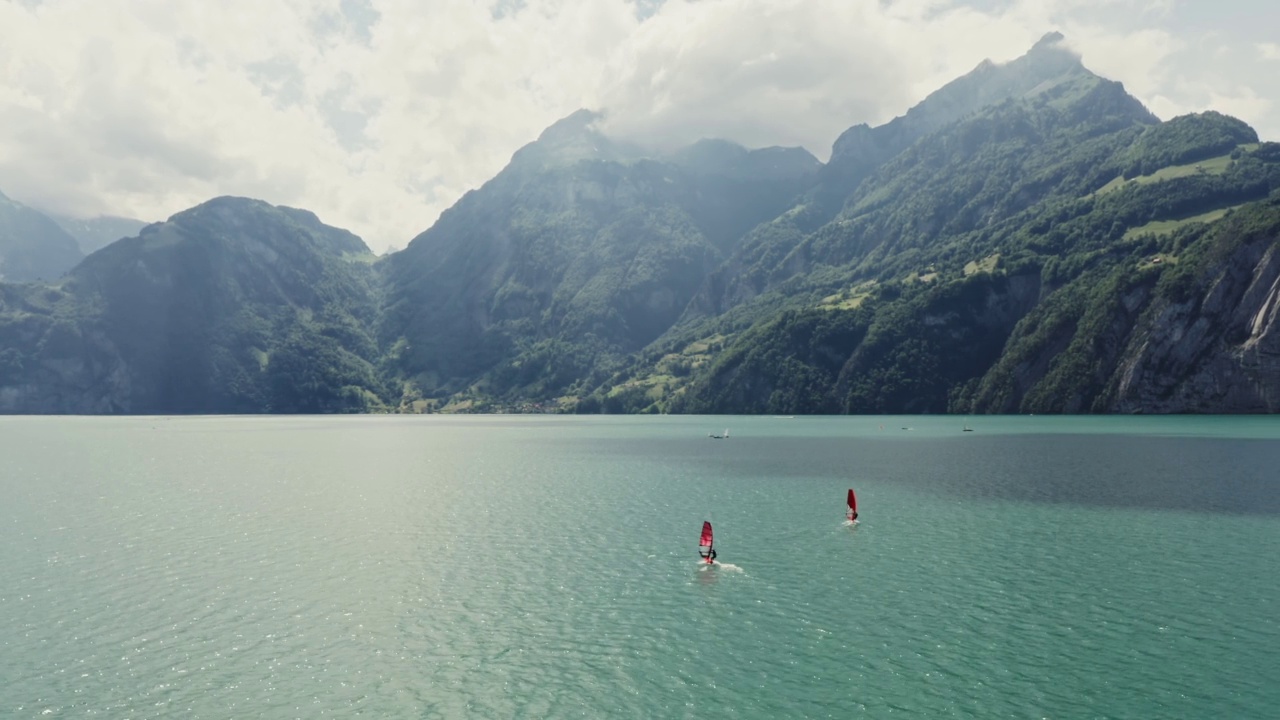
542,566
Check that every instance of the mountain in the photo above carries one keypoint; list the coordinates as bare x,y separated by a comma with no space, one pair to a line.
861,149
92,234
1047,92
32,246
1191,327
1038,297
1029,238
933,287
581,251
231,306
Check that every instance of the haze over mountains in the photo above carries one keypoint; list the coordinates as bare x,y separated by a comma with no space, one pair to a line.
33,246
1029,238
95,233
36,246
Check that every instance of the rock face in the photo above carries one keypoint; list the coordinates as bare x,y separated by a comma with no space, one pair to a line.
1190,334
1217,352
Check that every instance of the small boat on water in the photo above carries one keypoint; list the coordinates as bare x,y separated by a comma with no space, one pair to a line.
706,543
714,436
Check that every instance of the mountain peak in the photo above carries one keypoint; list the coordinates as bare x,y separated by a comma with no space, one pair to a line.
237,220
1048,62
569,140
1049,41
575,124
1049,58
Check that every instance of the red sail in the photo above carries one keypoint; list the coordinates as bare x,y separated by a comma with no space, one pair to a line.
853,504
706,541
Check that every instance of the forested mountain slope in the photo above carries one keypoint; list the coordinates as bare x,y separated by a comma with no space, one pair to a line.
580,252
1028,238
917,295
949,319
232,306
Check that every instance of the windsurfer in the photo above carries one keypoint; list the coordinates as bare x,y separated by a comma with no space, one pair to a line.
707,544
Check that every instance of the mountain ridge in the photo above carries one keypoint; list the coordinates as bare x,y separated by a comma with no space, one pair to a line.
231,306
95,233
32,246
1028,238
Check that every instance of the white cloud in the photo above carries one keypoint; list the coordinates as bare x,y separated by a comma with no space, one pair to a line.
379,114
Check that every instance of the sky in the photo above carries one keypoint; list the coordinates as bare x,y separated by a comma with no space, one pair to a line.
377,115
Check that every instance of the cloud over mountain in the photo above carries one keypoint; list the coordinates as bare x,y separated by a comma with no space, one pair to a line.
380,114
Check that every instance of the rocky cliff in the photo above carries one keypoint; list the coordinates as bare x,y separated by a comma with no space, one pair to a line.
1218,350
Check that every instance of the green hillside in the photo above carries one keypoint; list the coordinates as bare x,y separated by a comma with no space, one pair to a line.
579,253
1029,238
233,306
946,250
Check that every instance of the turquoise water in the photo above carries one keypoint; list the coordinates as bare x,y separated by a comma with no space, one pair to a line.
495,567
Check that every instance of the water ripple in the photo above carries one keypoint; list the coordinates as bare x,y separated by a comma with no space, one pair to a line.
332,567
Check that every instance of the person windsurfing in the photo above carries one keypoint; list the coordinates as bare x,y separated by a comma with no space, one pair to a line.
706,544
